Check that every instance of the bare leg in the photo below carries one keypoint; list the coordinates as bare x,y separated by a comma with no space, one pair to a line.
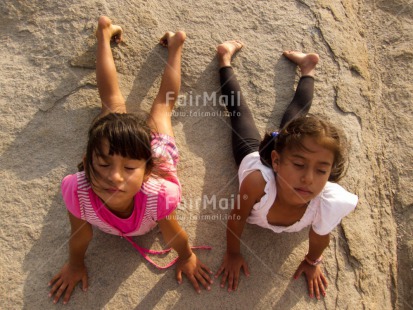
303,97
161,112
106,76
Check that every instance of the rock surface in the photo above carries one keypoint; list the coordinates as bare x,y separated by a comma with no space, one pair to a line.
49,97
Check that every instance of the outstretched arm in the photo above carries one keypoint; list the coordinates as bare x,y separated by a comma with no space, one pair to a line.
251,191
317,244
188,263
316,281
74,270
106,76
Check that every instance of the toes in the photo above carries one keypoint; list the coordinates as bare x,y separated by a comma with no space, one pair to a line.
239,43
230,47
164,40
290,53
294,56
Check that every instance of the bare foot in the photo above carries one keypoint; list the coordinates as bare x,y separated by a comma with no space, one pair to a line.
108,30
226,50
173,40
306,62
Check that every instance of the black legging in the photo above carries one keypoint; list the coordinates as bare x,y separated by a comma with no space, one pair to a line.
245,136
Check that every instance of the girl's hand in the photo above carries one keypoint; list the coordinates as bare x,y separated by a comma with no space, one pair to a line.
231,267
195,270
315,279
67,279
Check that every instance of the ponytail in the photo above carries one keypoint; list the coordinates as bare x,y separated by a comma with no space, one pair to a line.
267,145
80,166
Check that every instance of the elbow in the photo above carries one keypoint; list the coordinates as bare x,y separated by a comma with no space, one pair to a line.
180,240
89,236
184,237
83,236
324,241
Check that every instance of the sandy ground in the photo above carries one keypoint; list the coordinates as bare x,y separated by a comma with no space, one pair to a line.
48,97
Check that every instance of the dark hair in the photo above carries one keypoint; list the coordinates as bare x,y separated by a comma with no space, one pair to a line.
325,133
128,136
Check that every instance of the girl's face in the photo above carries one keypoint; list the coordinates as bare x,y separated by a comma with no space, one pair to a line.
302,174
118,178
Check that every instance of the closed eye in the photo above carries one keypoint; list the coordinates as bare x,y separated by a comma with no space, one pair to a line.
130,168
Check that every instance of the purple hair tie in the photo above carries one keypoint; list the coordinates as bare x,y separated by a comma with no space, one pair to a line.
274,134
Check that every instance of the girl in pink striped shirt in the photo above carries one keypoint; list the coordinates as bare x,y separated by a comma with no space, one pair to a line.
128,182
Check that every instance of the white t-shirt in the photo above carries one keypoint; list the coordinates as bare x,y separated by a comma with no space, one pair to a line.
324,212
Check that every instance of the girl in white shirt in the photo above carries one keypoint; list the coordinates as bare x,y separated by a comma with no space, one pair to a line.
285,179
